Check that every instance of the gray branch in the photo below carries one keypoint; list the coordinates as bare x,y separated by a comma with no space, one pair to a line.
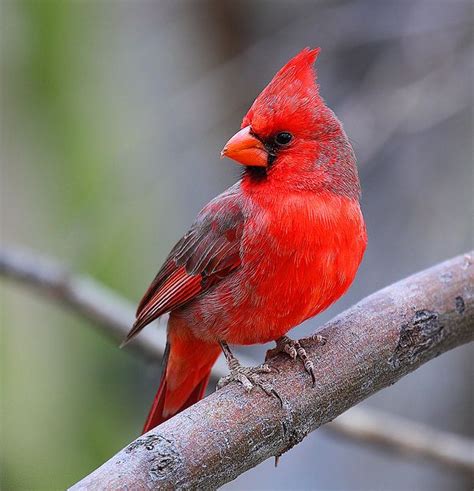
114,315
405,437
416,319
371,346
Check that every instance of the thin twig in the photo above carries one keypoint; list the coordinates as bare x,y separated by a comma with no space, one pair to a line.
405,437
114,315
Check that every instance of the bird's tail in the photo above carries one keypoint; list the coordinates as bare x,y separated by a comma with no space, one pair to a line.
187,367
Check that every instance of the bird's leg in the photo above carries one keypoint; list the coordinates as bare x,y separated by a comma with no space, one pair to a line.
249,377
294,350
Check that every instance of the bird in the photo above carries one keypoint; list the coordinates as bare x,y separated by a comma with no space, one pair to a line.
273,250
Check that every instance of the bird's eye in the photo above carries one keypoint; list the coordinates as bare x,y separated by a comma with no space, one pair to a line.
283,138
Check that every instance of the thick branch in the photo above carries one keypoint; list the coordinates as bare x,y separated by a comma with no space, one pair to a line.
371,346
114,314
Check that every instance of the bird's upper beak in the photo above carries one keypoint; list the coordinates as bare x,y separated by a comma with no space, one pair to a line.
245,149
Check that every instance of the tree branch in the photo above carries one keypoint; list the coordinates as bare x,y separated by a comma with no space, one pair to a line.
114,315
405,437
371,346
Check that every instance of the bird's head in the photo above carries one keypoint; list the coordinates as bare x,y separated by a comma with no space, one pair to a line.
291,135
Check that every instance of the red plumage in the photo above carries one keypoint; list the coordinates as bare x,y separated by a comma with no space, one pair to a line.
278,247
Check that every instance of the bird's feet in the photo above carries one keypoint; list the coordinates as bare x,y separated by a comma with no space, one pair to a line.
249,377
294,349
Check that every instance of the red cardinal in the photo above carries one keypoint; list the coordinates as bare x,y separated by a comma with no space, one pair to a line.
275,249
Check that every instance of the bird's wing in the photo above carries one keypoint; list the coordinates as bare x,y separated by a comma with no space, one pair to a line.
204,256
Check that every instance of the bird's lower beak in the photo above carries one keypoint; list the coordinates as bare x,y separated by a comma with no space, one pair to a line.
245,149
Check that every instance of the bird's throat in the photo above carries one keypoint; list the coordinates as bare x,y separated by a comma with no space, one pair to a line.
255,174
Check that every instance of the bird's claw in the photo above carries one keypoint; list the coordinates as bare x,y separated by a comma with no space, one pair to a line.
322,340
295,350
249,377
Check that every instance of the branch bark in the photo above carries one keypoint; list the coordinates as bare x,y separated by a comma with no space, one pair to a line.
371,346
113,315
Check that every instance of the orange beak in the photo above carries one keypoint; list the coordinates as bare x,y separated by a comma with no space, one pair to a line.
245,149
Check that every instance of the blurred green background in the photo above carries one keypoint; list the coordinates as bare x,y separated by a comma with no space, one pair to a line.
64,387
113,116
